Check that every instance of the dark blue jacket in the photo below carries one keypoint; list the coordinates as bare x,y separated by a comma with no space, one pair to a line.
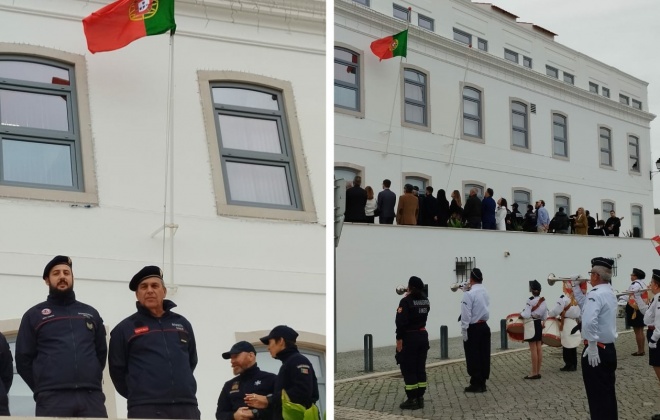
6,374
152,359
297,378
252,381
61,345
488,213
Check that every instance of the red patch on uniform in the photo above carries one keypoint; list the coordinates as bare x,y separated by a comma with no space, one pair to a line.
46,311
304,370
399,310
141,330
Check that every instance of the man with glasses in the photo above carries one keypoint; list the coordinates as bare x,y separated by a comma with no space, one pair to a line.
599,364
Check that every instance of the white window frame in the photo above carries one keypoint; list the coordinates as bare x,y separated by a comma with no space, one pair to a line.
633,141
606,206
306,211
605,92
464,34
552,71
359,86
567,207
636,104
416,178
468,185
513,54
354,169
624,99
426,103
608,150
482,44
593,87
555,139
526,130
570,77
641,218
520,190
479,118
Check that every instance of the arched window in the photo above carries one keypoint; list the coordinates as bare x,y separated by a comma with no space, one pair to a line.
519,125
560,135
348,79
472,112
415,93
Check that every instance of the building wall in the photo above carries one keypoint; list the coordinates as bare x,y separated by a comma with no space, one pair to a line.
231,275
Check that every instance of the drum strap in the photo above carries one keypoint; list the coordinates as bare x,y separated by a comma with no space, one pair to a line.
563,313
535,307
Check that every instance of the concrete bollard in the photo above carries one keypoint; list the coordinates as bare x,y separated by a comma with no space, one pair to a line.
444,342
503,337
368,353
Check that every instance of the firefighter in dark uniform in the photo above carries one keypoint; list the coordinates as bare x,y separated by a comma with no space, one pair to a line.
6,375
250,380
412,342
296,376
61,349
599,363
153,354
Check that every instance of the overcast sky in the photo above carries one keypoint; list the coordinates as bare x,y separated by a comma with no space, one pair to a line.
622,34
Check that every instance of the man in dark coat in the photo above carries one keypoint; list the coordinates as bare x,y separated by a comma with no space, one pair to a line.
488,210
356,199
429,209
472,210
385,204
6,375
613,224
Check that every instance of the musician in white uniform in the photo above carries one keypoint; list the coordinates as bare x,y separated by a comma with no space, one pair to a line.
535,313
599,333
567,309
652,320
475,311
636,304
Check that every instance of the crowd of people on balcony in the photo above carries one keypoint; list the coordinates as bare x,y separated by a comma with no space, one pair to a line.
415,207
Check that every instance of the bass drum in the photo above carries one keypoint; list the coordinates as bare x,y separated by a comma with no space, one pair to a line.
568,340
514,327
551,335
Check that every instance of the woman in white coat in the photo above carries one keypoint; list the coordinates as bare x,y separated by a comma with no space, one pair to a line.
500,214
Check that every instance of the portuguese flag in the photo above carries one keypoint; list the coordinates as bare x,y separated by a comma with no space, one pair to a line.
122,22
391,46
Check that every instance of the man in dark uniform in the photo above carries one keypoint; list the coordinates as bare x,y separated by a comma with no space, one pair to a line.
472,210
250,380
636,305
61,349
356,199
153,354
6,375
412,342
599,333
475,311
296,376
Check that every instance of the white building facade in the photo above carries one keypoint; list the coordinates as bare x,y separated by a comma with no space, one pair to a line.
234,214
484,100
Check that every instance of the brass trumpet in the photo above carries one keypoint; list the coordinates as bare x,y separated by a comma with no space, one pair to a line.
463,286
401,289
618,295
552,279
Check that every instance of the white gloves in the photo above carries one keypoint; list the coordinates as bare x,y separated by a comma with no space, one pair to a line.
576,281
652,345
592,354
464,334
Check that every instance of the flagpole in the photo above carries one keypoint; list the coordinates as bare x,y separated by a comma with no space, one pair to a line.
170,155
396,89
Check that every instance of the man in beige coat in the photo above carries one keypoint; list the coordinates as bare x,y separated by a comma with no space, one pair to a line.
408,208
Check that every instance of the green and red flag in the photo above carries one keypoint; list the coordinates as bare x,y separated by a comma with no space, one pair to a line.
122,22
391,46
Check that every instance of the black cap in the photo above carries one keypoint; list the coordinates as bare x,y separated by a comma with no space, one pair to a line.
534,285
656,274
239,347
145,273
514,205
638,273
603,262
475,273
281,331
416,283
60,259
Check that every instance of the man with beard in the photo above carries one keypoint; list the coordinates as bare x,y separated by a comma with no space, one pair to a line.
250,381
61,349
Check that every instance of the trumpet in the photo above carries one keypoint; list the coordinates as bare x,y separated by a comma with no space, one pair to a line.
618,295
552,279
401,290
463,286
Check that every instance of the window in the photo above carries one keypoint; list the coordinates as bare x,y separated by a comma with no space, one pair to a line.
624,99
347,173
415,97
348,81
462,37
511,55
363,2
607,207
635,221
420,182
605,147
401,12
472,112
519,124
562,201
636,104
593,88
569,78
255,147
560,135
552,72
468,186
45,135
21,398
483,44
606,92
527,62
523,198
633,154
425,22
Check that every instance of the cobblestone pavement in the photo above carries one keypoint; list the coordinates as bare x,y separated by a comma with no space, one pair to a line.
557,395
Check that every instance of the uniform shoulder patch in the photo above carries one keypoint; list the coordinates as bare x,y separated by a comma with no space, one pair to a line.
531,298
304,369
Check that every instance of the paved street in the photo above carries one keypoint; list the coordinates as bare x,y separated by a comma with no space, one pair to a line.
557,395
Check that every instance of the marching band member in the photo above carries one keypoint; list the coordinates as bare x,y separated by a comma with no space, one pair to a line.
568,310
412,342
636,305
536,312
476,332
599,333
652,320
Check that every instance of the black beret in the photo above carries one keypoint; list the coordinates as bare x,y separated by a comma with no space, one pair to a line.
60,259
656,274
281,331
240,347
416,282
638,273
145,273
603,262
534,285
475,273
